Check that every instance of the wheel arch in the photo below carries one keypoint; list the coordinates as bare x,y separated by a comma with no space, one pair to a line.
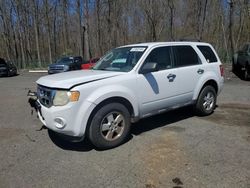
115,99
210,82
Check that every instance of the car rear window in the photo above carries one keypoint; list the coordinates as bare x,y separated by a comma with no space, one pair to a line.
208,54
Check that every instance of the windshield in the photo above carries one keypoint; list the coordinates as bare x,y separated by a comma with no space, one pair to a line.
120,59
65,60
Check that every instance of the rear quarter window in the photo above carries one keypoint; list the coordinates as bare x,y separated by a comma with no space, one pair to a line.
208,54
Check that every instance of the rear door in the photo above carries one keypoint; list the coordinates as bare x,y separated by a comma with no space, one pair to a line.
188,69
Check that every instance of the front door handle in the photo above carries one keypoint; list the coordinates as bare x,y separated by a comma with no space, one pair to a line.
200,71
171,77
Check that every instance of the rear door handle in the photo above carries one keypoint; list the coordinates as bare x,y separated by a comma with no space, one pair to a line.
171,77
200,71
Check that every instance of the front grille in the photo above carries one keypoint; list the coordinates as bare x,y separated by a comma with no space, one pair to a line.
56,68
45,96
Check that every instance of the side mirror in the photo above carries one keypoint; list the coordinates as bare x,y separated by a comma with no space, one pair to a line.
148,67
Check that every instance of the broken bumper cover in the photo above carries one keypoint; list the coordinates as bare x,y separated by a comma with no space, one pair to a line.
70,120
39,113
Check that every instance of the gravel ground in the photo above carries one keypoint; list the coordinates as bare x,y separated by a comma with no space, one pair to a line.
175,149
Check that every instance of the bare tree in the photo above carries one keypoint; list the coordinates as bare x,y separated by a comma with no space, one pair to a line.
231,25
86,30
47,12
79,14
35,20
33,33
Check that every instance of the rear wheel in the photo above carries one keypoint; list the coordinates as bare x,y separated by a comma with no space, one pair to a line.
110,126
206,101
233,66
236,67
246,72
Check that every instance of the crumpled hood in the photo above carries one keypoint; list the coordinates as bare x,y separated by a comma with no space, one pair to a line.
70,79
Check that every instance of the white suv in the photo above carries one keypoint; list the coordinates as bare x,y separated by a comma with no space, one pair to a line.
130,83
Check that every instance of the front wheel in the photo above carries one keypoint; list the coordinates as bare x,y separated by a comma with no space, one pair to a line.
206,101
234,67
110,126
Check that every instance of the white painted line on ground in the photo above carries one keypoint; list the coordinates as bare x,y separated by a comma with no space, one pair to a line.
38,71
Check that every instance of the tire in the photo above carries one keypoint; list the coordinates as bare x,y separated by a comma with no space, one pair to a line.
236,67
233,66
206,102
110,126
246,72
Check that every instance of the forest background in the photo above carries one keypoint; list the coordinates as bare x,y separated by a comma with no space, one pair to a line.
34,33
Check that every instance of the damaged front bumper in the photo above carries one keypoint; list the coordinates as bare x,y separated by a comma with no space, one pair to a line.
33,101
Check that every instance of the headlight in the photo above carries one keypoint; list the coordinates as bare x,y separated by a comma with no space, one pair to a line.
62,98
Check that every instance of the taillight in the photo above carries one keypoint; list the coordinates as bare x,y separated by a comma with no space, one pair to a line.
221,70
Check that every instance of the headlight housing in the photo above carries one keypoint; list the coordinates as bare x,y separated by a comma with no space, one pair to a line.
63,97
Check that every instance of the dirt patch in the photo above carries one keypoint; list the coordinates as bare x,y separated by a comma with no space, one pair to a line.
232,114
161,158
174,129
10,133
239,106
248,136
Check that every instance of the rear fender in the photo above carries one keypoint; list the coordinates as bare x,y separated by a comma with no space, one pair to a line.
205,78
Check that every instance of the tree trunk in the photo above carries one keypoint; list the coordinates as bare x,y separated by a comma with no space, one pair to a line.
35,18
80,36
171,18
203,20
20,37
54,29
231,27
65,24
86,31
48,29
99,42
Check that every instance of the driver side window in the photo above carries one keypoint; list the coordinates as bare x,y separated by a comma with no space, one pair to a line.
160,56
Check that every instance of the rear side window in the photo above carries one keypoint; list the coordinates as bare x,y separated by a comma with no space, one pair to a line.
208,54
77,60
185,56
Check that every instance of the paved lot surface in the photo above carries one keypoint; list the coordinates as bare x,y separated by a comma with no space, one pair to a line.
176,149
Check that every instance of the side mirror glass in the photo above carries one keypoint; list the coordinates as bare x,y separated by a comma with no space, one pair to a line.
148,67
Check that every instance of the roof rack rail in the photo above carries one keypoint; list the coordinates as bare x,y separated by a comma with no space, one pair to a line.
189,39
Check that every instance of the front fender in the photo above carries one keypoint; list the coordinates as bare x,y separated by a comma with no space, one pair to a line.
110,91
